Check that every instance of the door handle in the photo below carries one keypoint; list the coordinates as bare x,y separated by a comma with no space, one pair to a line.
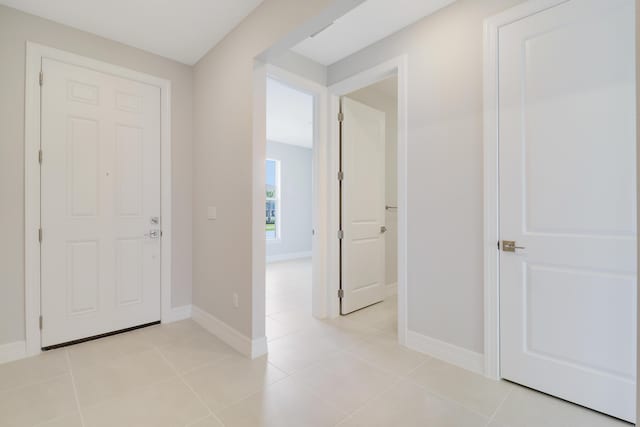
153,234
510,246
383,229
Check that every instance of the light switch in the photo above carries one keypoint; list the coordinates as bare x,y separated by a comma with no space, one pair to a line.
211,212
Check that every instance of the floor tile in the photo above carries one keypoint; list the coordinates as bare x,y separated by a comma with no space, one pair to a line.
98,383
70,420
276,329
299,350
473,391
166,404
32,370
97,352
196,350
528,408
408,405
159,335
283,404
386,354
206,422
345,381
231,380
37,403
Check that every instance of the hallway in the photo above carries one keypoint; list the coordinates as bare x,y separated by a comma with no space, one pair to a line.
348,372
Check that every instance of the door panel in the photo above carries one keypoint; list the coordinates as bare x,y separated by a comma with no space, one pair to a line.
568,196
363,199
100,188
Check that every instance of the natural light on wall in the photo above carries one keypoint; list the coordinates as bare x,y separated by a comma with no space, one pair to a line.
272,211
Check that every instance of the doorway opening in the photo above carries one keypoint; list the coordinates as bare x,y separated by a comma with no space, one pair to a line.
368,203
290,133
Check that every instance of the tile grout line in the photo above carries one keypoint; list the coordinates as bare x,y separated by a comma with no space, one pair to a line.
211,413
493,416
397,380
75,389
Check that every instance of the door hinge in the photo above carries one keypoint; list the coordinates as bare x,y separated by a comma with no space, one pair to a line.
340,116
41,78
340,293
340,234
40,235
40,156
340,176
40,322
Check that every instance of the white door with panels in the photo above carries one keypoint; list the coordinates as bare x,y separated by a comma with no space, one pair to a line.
100,201
363,206
567,173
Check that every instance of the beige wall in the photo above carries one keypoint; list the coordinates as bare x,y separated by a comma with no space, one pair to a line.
374,97
223,105
15,29
444,195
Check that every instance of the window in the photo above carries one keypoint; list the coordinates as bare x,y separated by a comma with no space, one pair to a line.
272,211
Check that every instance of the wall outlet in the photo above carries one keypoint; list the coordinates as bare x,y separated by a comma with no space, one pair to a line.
212,212
236,301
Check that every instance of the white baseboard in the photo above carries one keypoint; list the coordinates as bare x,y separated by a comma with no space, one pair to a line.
288,257
446,352
391,289
240,342
178,313
12,351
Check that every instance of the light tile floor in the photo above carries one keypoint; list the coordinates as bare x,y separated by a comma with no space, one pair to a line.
347,372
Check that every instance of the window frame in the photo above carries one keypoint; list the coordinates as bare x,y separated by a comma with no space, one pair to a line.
277,199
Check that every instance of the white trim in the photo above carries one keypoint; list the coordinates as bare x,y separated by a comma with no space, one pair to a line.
466,359
288,257
35,53
492,26
396,66
240,342
319,210
12,351
178,313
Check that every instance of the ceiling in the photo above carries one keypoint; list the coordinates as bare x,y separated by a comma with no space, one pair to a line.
289,115
367,23
183,30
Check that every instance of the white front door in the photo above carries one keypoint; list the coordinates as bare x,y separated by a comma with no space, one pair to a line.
568,197
100,175
363,209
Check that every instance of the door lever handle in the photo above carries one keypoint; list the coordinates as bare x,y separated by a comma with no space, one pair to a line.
153,234
510,246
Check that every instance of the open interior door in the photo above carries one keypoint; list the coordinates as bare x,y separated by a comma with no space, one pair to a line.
362,206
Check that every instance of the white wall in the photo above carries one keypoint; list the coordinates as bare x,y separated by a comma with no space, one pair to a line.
15,29
375,97
445,215
295,204
223,163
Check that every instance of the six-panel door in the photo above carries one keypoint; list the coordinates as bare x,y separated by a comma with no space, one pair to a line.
100,203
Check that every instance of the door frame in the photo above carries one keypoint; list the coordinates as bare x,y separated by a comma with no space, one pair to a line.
492,27
34,54
396,66
261,72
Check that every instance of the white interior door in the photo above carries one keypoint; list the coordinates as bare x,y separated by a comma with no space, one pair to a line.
363,211
100,196
568,196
